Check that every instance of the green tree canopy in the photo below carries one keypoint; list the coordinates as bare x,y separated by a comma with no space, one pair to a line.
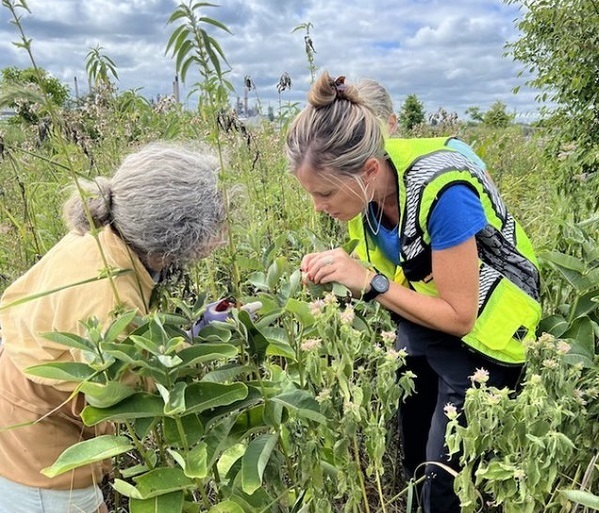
411,113
560,46
14,86
497,116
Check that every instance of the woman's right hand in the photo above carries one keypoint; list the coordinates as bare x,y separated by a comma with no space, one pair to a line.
336,265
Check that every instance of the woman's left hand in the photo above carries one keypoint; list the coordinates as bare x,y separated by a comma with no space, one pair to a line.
336,265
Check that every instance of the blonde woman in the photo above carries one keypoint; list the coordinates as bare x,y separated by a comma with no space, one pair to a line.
442,253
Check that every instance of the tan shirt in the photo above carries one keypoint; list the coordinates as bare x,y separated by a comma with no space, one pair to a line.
24,451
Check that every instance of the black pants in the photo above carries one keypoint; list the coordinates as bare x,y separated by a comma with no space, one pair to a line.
442,365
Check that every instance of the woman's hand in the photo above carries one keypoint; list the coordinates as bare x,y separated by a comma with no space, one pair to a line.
336,265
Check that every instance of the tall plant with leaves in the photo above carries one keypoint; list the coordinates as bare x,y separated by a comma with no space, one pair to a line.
100,68
308,48
572,293
192,45
535,451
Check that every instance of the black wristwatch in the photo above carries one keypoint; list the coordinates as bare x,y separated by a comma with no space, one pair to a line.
378,285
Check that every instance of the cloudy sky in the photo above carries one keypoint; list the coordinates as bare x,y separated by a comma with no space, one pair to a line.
449,53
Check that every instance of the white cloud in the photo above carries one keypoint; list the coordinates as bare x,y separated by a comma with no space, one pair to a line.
450,54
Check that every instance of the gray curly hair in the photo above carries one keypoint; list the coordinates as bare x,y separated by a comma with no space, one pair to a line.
163,200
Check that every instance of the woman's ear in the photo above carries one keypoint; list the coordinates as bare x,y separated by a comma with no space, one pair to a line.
392,124
371,169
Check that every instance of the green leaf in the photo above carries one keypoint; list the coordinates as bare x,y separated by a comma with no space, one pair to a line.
103,395
161,481
254,461
258,280
88,451
139,405
203,396
146,343
119,325
586,499
174,398
587,303
253,397
194,463
70,340
301,309
63,371
218,24
193,430
170,502
581,337
229,457
126,489
302,403
555,325
227,372
125,352
226,507
206,352
257,342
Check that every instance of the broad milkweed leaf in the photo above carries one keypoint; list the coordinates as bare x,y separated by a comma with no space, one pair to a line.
119,325
70,340
63,371
226,507
88,451
138,405
170,502
103,395
254,461
586,499
302,403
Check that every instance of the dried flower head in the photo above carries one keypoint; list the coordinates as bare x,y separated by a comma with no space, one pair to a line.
347,316
310,344
480,376
388,336
450,411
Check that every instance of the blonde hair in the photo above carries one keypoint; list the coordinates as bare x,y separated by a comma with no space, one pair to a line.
336,132
163,200
376,97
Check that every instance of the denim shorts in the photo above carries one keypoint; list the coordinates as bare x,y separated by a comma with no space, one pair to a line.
18,498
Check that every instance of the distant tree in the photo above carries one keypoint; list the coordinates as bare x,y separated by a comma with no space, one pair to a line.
411,112
497,116
475,114
28,90
559,44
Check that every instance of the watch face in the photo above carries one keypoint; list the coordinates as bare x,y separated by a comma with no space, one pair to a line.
380,283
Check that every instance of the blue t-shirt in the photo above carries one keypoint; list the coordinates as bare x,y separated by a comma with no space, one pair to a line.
457,216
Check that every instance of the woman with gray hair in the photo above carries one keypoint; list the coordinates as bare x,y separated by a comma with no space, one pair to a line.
162,207
379,100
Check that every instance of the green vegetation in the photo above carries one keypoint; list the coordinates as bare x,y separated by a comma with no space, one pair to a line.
292,411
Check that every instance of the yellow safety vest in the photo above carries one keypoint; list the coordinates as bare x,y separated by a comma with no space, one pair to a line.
509,309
